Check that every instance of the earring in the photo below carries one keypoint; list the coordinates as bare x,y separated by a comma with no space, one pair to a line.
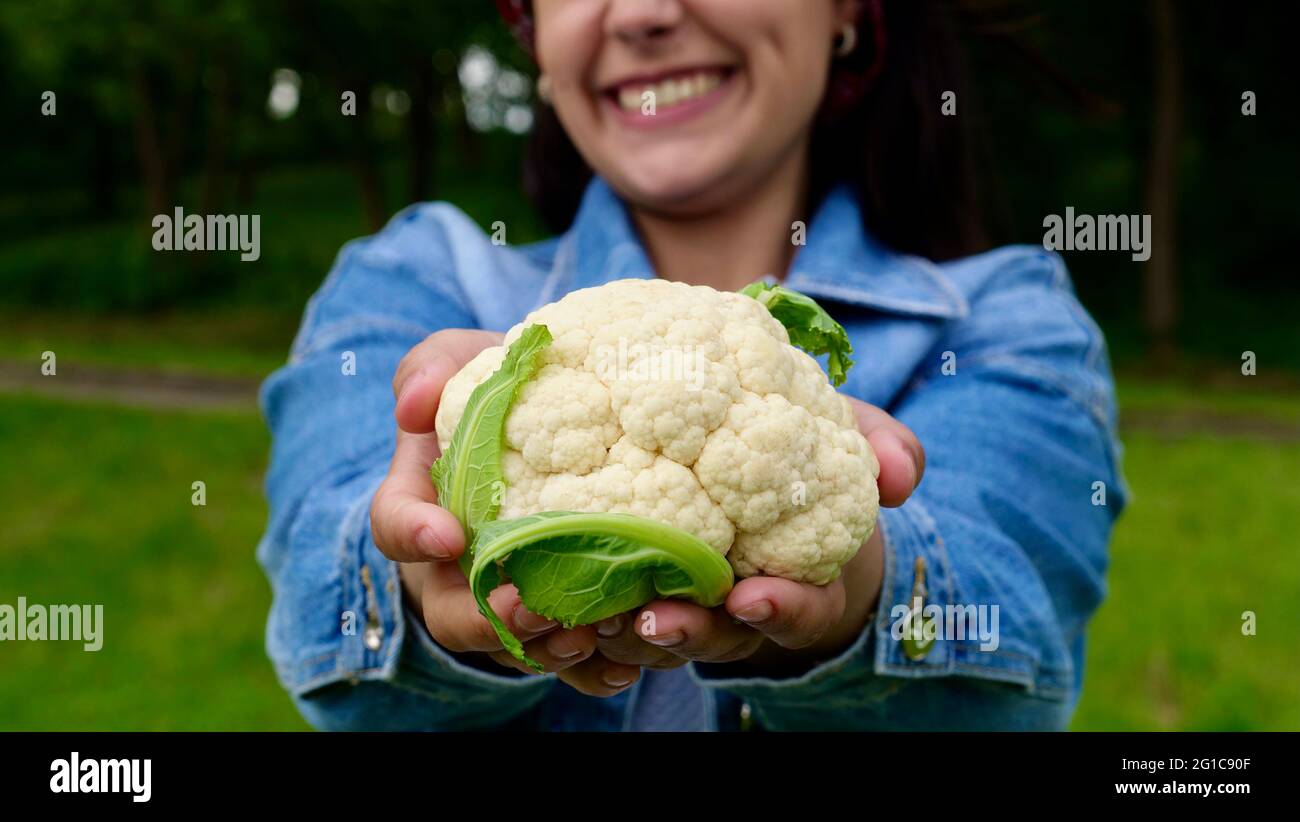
544,88
847,40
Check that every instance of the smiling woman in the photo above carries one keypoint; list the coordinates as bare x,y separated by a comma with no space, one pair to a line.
766,62
711,143
873,124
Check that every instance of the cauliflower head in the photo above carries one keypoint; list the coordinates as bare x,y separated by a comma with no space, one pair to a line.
690,407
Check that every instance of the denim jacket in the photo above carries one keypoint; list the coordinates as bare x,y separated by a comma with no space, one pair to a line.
990,359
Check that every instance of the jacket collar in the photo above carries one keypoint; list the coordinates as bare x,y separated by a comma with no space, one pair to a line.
841,261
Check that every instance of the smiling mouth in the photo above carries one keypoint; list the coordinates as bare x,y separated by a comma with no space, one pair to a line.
668,90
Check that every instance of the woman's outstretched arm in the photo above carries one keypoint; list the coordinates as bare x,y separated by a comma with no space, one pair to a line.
344,646
1007,533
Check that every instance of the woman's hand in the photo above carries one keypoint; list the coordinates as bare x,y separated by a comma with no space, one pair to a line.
767,621
410,527
405,520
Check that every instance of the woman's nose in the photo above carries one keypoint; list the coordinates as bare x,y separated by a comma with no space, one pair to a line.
638,22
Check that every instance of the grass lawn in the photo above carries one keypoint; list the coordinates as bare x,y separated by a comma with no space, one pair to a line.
1213,531
1222,393
105,517
100,513
240,342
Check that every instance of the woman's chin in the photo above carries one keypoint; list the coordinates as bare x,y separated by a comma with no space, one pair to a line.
677,189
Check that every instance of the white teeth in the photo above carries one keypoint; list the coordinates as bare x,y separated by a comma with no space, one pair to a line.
669,92
629,98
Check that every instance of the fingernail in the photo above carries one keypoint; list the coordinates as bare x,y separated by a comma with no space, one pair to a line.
530,622
667,640
430,544
760,611
614,679
610,627
913,462
561,647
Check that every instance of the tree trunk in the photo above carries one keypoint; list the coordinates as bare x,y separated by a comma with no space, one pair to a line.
1161,297
469,144
160,197
422,128
363,159
220,123
245,181
103,171
179,116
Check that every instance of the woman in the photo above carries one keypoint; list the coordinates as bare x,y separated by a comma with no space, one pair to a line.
725,140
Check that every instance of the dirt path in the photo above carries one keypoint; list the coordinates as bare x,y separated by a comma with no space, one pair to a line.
141,388
166,390
1179,423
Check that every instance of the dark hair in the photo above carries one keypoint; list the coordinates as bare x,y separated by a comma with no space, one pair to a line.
914,168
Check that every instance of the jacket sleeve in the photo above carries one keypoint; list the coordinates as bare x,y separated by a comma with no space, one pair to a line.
338,634
1008,529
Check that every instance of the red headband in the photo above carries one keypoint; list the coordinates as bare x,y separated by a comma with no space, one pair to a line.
847,84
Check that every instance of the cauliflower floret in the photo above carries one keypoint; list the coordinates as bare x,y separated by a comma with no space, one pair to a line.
763,363
523,491
671,402
813,542
757,464
636,481
562,421
809,389
688,406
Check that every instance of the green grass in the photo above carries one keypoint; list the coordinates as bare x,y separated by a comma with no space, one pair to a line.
243,342
1224,393
1213,531
100,512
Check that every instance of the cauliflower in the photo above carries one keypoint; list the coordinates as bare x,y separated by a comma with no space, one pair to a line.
655,406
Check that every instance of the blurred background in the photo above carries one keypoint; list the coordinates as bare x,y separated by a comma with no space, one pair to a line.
233,106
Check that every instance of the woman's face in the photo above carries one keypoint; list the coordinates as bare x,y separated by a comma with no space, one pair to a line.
683,104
